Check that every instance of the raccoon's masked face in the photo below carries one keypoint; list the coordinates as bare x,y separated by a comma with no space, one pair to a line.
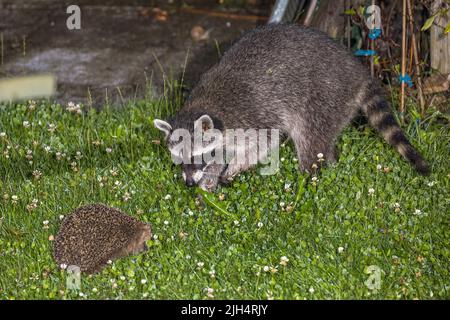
190,155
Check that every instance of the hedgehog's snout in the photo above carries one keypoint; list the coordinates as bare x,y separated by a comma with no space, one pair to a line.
145,236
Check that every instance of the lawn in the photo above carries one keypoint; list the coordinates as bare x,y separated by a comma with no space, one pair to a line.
370,217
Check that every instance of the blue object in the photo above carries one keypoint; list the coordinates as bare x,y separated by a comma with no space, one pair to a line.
374,33
364,53
406,78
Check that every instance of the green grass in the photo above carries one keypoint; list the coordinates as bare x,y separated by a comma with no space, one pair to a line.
331,231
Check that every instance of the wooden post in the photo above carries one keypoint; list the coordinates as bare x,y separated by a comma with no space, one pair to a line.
402,97
372,47
440,43
416,57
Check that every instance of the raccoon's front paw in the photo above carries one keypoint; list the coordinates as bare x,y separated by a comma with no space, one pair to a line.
226,180
209,184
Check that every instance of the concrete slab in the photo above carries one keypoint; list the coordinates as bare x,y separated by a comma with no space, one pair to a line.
119,48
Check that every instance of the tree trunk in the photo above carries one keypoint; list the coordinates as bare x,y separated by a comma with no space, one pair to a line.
330,17
440,43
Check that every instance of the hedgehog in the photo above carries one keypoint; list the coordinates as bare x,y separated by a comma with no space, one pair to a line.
94,234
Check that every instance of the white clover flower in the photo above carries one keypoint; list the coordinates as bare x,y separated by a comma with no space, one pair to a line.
2,134
287,186
94,290
236,223
311,290
61,217
143,281
274,269
126,197
371,191
320,155
26,124
260,224
168,197
200,265
63,266
33,205
210,292
282,159
37,174
284,260
31,105
51,127
109,262
74,108
379,166
282,204
431,183
108,150
166,222
417,212
78,155
122,278
212,273
155,237
340,249
266,268
145,295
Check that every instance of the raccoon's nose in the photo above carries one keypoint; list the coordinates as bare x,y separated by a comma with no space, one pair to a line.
190,182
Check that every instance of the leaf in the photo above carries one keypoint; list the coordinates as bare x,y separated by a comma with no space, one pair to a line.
350,12
209,199
428,23
361,10
447,28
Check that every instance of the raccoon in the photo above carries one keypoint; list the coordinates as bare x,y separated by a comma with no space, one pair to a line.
290,78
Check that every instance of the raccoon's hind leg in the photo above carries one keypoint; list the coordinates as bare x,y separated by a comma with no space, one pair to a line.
381,118
313,147
309,149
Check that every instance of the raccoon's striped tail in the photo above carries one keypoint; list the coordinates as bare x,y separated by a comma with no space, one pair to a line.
381,118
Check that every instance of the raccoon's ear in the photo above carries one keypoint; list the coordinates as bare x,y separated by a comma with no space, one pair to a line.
205,122
163,126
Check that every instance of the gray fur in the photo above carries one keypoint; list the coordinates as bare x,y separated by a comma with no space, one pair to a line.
297,80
